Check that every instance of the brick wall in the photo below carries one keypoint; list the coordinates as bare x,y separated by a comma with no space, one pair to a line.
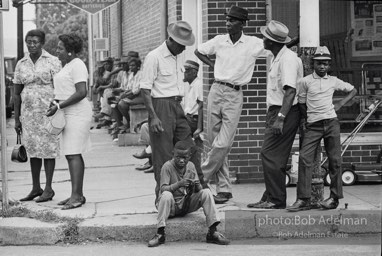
244,160
115,31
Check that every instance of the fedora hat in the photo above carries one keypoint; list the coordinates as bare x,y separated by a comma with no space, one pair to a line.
276,31
181,32
237,13
191,64
133,54
322,53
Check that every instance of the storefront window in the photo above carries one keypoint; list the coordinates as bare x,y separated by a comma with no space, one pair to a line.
352,30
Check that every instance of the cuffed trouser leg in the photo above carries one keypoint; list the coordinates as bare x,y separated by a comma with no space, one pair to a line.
223,115
204,199
166,208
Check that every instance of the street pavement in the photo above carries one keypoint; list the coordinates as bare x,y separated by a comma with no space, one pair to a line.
120,205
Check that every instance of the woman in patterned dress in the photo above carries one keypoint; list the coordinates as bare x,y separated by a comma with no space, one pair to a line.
70,90
33,85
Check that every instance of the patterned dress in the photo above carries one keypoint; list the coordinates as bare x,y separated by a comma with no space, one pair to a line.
35,100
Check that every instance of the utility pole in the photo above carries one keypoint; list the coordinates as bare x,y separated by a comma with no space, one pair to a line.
20,32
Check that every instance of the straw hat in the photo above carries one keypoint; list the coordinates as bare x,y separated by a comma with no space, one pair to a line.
181,32
191,64
276,31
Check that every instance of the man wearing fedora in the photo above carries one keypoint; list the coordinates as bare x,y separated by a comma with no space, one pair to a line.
193,108
316,101
162,91
236,55
283,115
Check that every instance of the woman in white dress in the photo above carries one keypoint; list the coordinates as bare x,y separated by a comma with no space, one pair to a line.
70,95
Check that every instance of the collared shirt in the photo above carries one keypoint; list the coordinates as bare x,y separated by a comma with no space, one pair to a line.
193,95
162,73
170,175
133,82
317,92
39,73
234,62
122,79
285,69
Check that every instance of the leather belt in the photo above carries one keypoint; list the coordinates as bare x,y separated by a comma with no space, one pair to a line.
175,98
236,87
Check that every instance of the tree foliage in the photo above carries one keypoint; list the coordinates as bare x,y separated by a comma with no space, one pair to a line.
57,19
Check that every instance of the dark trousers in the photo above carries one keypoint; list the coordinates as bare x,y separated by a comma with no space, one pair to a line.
275,154
196,157
176,128
329,130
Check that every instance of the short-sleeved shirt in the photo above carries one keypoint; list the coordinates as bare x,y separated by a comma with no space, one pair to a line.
285,69
234,62
41,72
133,82
194,94
72,73
170,175
317,92
161,73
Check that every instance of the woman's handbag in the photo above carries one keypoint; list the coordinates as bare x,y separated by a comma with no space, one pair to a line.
19,153
56,123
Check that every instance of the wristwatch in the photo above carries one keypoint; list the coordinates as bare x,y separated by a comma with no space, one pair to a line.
280,115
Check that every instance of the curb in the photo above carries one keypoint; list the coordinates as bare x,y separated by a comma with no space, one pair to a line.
25,231
236,224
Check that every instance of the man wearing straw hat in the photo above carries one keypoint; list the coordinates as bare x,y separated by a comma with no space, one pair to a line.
283,115
316,100
162,90
236,55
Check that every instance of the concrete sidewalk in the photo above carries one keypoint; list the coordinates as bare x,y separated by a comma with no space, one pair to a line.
120,205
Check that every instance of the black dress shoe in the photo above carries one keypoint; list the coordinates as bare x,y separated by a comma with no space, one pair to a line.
227,195
145,166
142,155
32,196
220,199
158,239
216,238
255,204
269,205
329,204
43,198
299,205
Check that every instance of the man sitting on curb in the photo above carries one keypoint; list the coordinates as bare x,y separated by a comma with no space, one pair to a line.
182,193
315,98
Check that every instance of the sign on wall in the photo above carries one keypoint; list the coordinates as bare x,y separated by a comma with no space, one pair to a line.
366,17
4,5
92,6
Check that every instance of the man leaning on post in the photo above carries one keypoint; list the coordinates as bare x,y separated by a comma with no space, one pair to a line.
236,55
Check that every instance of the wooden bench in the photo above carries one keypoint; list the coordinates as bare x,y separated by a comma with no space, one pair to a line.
138,113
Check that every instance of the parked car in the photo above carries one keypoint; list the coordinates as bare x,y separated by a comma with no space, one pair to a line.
9,64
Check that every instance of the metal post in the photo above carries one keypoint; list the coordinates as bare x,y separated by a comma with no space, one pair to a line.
309,40
20,32
90,54
4,166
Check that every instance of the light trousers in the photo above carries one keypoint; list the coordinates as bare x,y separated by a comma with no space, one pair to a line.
168,208
223,114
